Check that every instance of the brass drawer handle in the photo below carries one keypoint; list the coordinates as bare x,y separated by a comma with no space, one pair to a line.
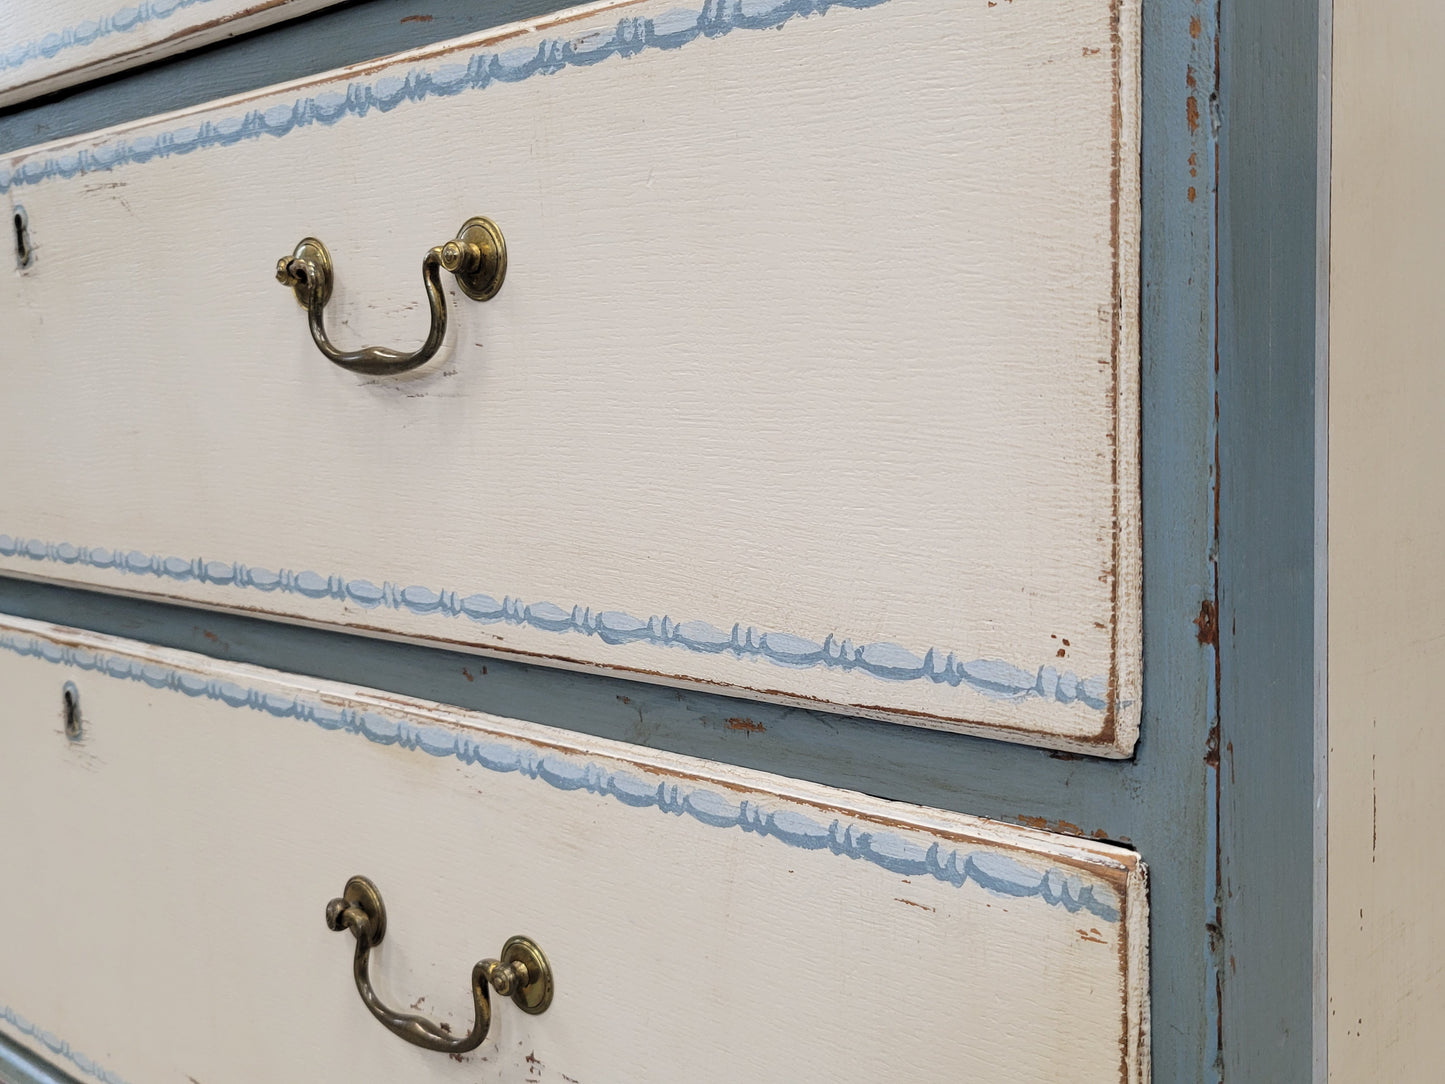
477,257
523,974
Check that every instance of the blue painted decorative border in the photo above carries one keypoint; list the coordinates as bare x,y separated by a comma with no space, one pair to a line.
631,36
995,873
58,1046
993,678
123,21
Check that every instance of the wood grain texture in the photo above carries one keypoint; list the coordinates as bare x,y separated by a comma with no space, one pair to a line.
857,430
1386,529
47,45
704,922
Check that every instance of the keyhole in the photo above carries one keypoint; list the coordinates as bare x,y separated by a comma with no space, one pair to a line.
70,710
23,249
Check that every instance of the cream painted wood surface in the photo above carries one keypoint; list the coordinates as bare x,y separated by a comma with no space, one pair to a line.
1386,948
705,923
815,372
46,45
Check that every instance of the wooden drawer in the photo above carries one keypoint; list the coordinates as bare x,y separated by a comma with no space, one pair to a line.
704,923
46,45
813,374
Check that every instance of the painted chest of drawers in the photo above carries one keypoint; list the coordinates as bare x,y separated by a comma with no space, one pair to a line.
838,592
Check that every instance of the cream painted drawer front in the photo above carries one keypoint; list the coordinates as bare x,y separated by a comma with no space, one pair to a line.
814,373
165,898
49,44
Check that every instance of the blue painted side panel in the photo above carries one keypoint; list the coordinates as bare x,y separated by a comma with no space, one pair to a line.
1267,543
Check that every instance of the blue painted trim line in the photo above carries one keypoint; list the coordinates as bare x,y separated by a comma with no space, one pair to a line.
126,19
671,30
995,873
58,1046
993,678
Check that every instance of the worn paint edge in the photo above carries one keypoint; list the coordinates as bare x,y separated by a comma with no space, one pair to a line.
1126,633
459,735
1136,1052
993,678
58,1046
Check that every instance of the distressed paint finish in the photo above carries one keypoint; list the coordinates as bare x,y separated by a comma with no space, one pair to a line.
1386,527
47,45
690,440
214,808
1153,799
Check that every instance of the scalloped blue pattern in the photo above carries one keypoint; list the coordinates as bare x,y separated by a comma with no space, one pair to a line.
993,678
671,30
994,872
58,1046
122,21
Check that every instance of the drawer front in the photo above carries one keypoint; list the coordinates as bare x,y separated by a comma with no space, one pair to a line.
46,45
813,373
166,898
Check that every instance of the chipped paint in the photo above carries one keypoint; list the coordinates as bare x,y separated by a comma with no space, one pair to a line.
747,726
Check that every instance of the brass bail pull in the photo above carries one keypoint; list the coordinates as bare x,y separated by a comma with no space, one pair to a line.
522,973
477,256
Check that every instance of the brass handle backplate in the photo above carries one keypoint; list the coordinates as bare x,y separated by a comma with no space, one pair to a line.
477,256
522,973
